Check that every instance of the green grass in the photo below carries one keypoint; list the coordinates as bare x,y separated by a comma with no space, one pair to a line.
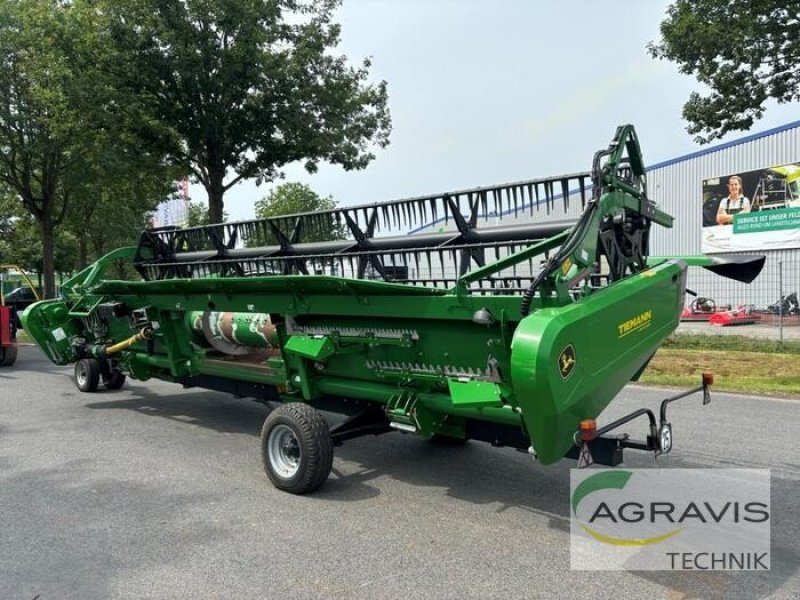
752,371
684,341
739,364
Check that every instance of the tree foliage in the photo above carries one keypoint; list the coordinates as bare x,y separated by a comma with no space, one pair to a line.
21,242
244,88
65,141
745,51
293,198
35,124
108,219
197,214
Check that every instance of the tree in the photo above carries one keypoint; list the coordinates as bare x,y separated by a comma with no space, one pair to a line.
196,214
746,52
293,198
112,201
21,242
64,128
245,88
7,205
107,221
34,133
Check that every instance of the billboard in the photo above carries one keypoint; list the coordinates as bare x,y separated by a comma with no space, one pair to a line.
755,210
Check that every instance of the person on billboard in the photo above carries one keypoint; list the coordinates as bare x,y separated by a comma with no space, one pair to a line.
735,203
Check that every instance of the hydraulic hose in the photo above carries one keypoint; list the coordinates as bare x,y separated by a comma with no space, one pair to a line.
145,334
566,249
101,352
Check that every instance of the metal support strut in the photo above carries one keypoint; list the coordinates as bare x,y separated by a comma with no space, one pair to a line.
593,445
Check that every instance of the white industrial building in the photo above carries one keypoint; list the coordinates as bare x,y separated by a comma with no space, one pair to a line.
677,185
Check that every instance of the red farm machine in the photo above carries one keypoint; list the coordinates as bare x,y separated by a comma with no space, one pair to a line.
9,317
8,337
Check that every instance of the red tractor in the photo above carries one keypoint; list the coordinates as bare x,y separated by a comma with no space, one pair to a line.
9,320
8,337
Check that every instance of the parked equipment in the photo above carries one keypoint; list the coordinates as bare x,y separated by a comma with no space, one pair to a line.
743,315
786,306
20,298
9,317
518,335
8,337
701,308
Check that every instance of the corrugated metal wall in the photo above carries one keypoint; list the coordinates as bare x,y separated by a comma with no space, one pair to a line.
677,187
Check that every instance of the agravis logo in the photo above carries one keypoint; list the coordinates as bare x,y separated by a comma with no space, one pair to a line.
610,480
652,519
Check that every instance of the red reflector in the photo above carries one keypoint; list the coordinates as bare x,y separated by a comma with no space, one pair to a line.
708,379
588,428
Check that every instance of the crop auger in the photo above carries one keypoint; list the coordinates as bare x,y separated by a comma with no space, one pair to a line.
517,335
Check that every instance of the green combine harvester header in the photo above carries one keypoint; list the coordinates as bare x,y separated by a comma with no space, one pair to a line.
516,335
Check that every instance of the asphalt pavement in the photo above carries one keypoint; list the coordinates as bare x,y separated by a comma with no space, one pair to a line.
154,491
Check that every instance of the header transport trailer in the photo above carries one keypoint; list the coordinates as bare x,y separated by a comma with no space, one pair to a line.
517,335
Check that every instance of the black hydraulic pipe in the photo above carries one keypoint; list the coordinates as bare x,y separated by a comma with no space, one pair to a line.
506,233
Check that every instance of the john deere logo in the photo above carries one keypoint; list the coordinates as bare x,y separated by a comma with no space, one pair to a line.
566,361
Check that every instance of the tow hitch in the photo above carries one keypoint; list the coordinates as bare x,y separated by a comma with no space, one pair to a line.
593,445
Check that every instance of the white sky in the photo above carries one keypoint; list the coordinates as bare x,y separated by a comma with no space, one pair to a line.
487,92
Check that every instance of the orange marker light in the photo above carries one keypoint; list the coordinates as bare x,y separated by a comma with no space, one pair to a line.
588,429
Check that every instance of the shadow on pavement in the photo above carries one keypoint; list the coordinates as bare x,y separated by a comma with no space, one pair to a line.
499,479
212,410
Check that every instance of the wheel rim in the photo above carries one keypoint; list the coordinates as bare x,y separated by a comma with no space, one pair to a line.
81,373
284,451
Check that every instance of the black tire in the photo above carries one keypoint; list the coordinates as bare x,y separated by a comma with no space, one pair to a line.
113,380
296,448
8,356
87,375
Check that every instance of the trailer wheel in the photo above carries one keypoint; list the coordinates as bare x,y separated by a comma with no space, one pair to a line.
113,380
296,448
87,374
8,356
